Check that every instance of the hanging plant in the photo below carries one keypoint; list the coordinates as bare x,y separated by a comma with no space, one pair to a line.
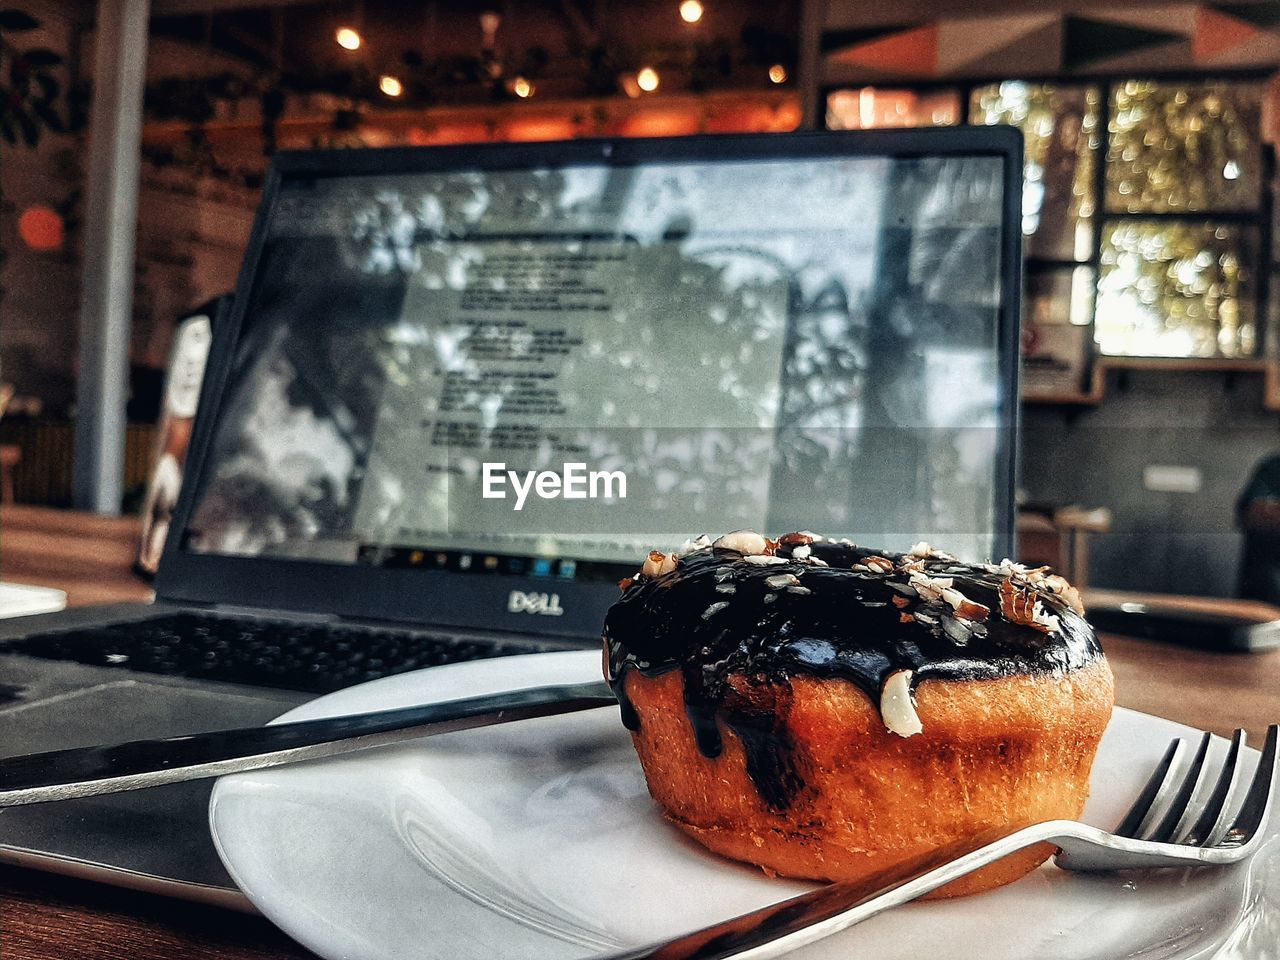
29,91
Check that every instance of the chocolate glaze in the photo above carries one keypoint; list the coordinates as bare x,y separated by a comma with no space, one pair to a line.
718,613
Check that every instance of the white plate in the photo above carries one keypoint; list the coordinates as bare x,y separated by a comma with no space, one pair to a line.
538,840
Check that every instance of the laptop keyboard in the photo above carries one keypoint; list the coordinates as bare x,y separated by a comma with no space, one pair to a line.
317,658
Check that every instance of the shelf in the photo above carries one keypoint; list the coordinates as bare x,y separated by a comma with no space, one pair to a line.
1270,371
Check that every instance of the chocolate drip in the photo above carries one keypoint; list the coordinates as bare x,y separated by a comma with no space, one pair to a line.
719,614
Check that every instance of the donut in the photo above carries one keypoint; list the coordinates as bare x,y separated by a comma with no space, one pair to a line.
825,711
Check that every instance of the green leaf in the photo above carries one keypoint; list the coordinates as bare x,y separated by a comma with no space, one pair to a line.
41,57
17,21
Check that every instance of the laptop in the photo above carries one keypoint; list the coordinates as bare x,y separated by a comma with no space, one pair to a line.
462,391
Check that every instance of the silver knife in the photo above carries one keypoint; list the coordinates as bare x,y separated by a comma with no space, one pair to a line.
90,771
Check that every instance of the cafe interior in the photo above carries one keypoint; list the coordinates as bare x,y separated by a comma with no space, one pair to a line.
136,140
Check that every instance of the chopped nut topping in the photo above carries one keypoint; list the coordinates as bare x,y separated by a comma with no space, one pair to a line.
799,539
1059,587
798,589
905,617
625,583
879,564
780,580
762,561
896,709
900,602
745,542
924,551
1044,620
658,564
965,608
930,588
801,552
726,588
715,608
694,544
1022,606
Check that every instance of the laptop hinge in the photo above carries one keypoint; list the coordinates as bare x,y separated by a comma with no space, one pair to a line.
236,610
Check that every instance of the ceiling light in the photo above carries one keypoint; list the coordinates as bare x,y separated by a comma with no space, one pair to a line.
348,38
777,73
522,88
647,79
691,11
390,85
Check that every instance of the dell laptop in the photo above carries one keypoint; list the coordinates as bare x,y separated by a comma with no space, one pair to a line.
462,391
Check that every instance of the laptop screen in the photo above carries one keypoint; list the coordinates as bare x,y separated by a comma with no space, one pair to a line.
549,371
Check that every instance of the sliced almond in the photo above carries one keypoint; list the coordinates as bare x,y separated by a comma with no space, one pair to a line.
896,709
745,542
658,563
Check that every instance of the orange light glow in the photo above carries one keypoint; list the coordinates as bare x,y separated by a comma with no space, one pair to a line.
390,85
540,128
691,11
348,38
647,79
41,229
666,123
777,73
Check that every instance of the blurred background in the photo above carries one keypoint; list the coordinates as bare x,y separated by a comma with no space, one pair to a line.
1151,338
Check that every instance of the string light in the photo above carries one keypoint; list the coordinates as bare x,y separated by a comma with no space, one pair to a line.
691,11
647,79
777,73
522,88
390,85
348,38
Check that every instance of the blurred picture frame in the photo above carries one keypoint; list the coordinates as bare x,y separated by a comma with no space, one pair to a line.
184,379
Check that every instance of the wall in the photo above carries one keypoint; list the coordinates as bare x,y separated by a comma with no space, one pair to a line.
1164,542
41,290
192,232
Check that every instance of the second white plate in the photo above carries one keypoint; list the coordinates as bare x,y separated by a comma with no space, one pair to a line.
539,840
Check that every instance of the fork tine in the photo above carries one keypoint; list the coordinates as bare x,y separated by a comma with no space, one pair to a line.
1257,802
1212,824
1180,805
1155,787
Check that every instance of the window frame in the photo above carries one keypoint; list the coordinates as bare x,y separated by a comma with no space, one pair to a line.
1266,267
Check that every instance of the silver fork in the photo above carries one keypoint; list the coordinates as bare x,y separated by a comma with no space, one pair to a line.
1165,827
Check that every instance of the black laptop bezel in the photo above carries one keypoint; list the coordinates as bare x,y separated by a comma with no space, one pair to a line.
467,600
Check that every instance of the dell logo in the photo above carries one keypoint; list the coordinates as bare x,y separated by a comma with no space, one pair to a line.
546,604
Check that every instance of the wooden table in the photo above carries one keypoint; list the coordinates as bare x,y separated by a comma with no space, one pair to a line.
43,917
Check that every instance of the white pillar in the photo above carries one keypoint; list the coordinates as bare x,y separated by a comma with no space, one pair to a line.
111,213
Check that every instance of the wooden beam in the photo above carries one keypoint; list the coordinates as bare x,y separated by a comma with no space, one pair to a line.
181,8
